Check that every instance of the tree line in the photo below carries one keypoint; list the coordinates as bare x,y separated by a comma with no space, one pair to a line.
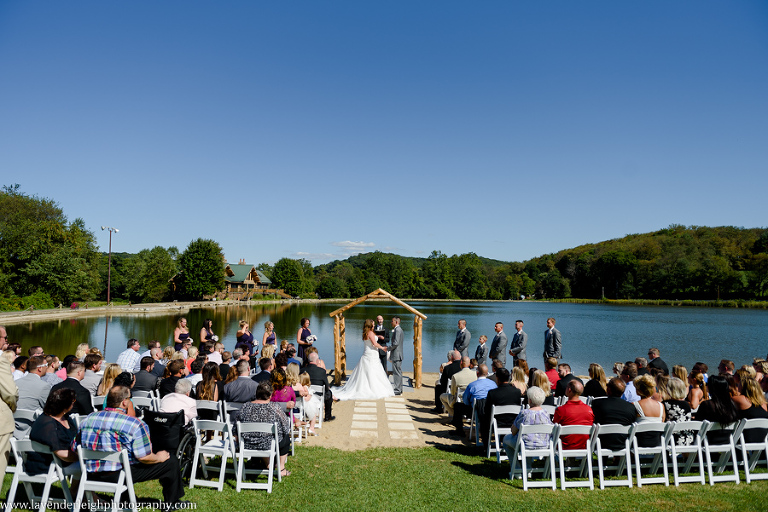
46,260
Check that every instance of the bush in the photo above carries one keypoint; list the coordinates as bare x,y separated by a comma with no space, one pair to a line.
40,300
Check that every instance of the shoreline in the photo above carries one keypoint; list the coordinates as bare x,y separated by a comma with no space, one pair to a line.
162,308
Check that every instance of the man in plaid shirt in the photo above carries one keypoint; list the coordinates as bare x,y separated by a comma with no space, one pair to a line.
129,357
113,430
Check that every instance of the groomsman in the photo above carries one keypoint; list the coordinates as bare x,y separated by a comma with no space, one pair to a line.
499,345
481,354
383,339
463,338
553,342
519,341
396,356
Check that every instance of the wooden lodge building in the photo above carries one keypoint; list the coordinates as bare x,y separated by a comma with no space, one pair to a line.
242,278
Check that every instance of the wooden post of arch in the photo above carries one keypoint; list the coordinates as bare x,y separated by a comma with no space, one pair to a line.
417,351
340,349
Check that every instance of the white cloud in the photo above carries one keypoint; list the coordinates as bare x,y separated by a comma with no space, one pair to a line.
314,255
349,245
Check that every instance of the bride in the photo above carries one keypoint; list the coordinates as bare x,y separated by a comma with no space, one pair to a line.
368,381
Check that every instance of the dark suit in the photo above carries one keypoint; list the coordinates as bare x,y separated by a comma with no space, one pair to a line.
499,348
159,370
461,344
262,376
505,394
660,364
445,378
318,377
519,342
613,411
563,383
553,344
168,385
380,330
83,403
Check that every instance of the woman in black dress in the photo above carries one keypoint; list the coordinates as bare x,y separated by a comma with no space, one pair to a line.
597,383
55,429
718,409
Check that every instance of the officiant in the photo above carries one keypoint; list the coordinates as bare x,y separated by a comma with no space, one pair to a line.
382,335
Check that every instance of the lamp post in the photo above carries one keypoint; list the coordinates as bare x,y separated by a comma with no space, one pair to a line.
109,265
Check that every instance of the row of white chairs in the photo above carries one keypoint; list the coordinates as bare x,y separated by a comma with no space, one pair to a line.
644,461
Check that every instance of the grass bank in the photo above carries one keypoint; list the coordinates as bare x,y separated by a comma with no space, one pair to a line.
443,478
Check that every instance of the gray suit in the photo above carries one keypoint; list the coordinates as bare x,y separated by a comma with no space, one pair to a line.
33,393
396,357
553,343
519,341
239,391
462,342
481,354
499,347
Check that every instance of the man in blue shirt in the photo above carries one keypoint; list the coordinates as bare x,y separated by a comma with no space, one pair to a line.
628,375
475,391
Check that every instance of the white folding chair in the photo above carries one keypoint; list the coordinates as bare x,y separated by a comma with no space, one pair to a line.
691,452
319,392
142,394
623,455
496,434
209,405
550,409
124,480
659,453
585,454
272,454
727,452
522,454
301,429
26,417
144,403
55,474
222,444
289,412
750,452
97,402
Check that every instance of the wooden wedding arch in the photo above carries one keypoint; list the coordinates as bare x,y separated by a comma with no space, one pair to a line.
339,335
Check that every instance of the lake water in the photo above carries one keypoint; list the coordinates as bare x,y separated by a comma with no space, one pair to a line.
591,333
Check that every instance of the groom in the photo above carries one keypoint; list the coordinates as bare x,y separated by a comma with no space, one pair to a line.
396,356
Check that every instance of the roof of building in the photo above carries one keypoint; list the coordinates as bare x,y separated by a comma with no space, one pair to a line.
241,272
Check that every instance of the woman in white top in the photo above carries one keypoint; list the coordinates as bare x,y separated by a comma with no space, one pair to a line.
648,409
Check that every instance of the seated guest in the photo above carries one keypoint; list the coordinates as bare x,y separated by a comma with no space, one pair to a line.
264,410
574,412
92,367
680,372
81,351
226,359
211,387
75,373
448,371
269,351
111,428
718,409
20,367
129,357
550,369
319,377
459,383
147,353
191,356
179,400
174,371
597,384
642,366
125,379
698,389
216,355
311,402
564,372
648,410
476,391
504,394
50,372
281,361
242,389
533,415
618,368
757,408
196,371
541,380
495,365
518,379
281,389
726,367
108,379
628,375
145,379
33,392
56,429
613,410
158,370
266,364
291,353
677,409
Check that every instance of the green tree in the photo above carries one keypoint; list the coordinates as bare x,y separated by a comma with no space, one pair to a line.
201,269
288,274
331,287
148,275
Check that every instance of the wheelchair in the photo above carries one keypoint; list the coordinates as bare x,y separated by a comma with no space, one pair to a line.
169,431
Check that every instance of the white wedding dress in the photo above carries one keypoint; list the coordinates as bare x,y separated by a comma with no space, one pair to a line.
368,381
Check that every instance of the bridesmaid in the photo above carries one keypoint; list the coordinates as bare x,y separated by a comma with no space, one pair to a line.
269,334
301,338
181,334
206,333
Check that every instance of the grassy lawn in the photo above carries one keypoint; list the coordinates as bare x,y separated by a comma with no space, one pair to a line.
438,478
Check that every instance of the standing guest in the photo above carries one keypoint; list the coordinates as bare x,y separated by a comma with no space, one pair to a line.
519,342
92,378
550,365
245,338
481,353
628,375
3,339
20,367
463,337
533,415
50,373
129,357
108,379
698,390
564,372
146,381
303,337
612,410
718,409
553,341
677,409
648,410
574,412
269,337
206,332
382,338
396,355
597,385
75,373
179,400
147,353
181,333
499,344
656,361
56,429
111,429
518,380
264,410
175,371
8,395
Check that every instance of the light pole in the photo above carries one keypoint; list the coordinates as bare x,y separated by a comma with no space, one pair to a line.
109,265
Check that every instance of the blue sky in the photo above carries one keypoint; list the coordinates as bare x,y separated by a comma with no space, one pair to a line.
322,129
